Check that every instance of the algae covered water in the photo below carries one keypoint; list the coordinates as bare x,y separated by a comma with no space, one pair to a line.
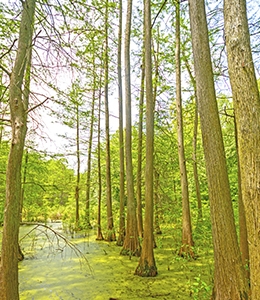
52,270
95,271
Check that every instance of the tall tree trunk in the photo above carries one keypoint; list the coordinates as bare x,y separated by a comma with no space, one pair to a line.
187,241
146,266
229,277
157,228
140,153
131,244
9,289
121,235
78,170
99,230
110,236
156,53
194,159
246,101
90,141
194,142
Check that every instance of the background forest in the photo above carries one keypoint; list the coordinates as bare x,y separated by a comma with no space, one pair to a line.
84,159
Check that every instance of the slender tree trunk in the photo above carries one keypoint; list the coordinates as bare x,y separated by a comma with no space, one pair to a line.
90,142
23,183
140,154
9,289
110,236
194,142
229,277
156,53
194,159
99,230
147,266
157,228
131,244
187,241
121,235
243,239
246,101
78,170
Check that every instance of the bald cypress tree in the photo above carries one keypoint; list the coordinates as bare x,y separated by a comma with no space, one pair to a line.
18,99
246,101
229,276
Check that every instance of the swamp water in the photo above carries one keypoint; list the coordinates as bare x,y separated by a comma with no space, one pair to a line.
52,270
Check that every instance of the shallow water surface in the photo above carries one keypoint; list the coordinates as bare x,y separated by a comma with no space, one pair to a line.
52,270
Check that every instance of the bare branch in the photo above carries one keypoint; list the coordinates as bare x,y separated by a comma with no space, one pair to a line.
37,105
9,50
3,93
5,70
58,237
2,120
160,10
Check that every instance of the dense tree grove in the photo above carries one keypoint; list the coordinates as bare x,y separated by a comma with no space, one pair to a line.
130,118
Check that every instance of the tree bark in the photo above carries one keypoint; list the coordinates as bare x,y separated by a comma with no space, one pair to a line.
23,183
229,277
243,238
246,101
121,235
9,289
99,230
110,236
140,154
156,54
194,142
90,140
147,266
157,228
187,241
131,244
78,168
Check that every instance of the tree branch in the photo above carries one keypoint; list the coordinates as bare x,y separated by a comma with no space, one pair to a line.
9,50
37,105
160,10
5,70
59,237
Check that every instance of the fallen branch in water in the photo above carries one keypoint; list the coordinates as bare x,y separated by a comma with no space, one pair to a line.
59,237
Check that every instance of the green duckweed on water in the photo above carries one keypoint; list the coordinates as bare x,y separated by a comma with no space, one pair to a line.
52,270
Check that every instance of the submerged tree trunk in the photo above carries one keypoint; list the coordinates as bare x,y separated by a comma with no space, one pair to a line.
121,235
131,244
9,289
147,266
229,277
246,101
187,241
